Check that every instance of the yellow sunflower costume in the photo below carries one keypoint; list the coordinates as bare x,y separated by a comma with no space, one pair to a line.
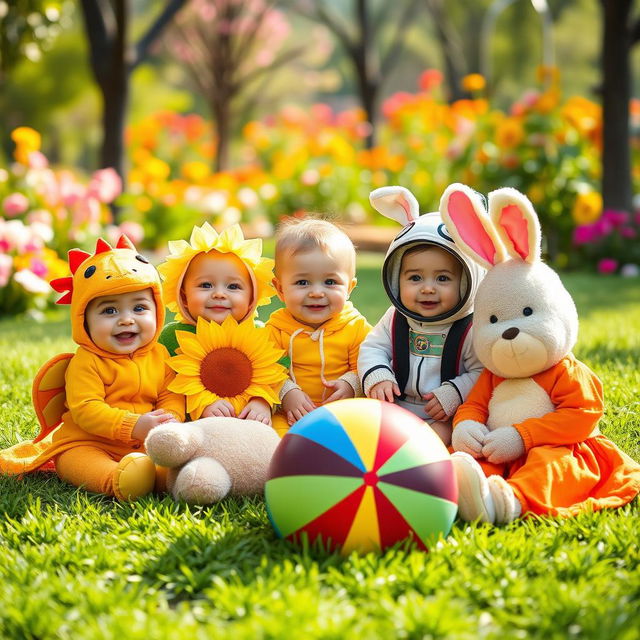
230,361
203,240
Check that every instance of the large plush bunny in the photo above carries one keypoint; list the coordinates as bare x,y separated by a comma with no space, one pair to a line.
213,457
527,438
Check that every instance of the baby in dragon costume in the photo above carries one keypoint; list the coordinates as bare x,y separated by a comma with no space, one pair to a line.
97,406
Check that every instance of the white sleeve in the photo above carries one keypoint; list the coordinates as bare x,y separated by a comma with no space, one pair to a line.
376,353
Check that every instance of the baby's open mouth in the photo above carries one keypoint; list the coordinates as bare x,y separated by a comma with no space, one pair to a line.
126,336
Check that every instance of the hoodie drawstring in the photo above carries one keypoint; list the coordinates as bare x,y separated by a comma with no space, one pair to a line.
316,336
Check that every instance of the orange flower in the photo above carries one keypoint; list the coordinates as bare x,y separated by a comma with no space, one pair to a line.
509,133
473,82
430,79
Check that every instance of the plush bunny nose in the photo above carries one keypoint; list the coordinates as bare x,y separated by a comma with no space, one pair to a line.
510,333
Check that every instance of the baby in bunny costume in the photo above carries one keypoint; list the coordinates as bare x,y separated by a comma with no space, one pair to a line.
526,440
420,354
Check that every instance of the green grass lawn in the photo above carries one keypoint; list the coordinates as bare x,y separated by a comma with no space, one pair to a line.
74,565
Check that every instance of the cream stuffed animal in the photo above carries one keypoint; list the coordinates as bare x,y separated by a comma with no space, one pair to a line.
526,438
211,458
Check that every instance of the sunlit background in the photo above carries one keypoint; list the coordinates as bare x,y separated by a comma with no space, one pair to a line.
149,117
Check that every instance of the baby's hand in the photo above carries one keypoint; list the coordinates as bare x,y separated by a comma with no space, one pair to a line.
384,390
295,404
342,389
257,409
433,407
148,421
219,409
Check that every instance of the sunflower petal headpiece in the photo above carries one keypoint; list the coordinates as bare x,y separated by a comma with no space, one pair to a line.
204,239
230,361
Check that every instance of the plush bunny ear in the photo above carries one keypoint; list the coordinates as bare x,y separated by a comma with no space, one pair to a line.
396,203
467,221
516,223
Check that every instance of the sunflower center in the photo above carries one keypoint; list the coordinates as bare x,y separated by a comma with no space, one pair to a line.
226,372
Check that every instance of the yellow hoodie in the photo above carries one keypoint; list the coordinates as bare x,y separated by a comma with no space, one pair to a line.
105,392
327,353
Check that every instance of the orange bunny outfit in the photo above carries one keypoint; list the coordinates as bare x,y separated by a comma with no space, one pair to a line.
526,440
567,467
105,392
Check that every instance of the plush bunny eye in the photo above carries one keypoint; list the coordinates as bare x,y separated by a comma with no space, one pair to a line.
527,311
493,319
89,271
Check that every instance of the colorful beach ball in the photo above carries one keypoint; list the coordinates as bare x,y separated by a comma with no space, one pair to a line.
361,474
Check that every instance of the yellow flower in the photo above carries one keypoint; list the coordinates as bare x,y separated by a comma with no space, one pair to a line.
231,361
587,207
195,171
204,239
157,169
473,82
27,141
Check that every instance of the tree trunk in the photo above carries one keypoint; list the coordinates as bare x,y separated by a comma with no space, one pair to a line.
222,119
616,160
366,78
453,57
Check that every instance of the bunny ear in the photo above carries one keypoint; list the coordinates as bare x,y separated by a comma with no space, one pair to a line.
466,220
516,223
396,203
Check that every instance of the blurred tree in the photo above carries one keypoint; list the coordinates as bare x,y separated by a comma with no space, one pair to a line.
113,59
231,48
361,39
27,28
619,33
41,94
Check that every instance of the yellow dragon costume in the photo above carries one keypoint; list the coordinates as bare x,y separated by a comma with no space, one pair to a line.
87,403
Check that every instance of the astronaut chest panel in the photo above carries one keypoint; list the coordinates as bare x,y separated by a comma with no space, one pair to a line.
516,400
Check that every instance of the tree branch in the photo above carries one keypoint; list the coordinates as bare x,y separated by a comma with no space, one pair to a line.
99,24
320,14
397,42
154,31
278,61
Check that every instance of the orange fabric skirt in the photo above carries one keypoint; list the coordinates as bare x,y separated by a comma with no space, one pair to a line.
569,479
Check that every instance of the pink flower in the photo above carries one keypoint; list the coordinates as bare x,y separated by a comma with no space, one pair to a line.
37,160
105,185
31,282
607,265
602,227
628,232
616,218
6,265
133,231
15,204
38,267
584,234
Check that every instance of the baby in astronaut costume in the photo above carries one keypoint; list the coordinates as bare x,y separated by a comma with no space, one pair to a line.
420,354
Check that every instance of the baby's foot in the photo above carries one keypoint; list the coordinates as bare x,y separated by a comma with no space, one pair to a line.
134,476
475,501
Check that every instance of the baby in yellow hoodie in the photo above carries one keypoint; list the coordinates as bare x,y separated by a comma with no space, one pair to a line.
97,406
319,328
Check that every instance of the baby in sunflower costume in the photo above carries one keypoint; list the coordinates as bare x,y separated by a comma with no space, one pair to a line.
213,284
97,406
